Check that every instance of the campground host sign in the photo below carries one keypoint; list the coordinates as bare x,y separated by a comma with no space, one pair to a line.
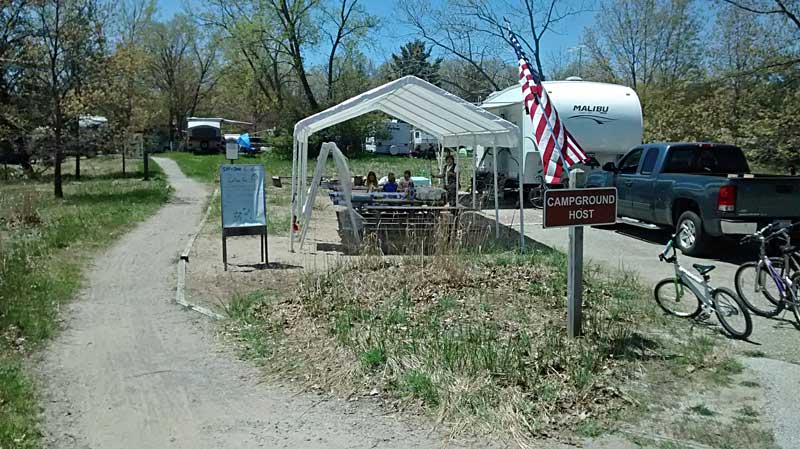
579,207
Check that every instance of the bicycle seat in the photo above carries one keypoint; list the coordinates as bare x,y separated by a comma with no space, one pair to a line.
703,269
788,249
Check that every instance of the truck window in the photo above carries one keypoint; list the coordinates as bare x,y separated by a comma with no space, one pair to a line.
649,161
700,159
631,162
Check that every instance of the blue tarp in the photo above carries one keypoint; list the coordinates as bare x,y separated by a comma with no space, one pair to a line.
244,141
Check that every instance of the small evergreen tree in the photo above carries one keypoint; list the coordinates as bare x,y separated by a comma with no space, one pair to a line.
414,60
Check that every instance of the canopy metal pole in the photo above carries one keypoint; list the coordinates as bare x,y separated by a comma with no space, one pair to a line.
294,202
496,193
304,173
474,172
458,175
440,157
520,170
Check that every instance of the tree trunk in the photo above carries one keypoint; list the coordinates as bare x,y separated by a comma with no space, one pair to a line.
77,135
171,129
58,190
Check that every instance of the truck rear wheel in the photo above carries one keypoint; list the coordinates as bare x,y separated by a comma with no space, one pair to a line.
691,239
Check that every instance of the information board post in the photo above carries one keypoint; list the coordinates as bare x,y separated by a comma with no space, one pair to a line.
244,205
576,208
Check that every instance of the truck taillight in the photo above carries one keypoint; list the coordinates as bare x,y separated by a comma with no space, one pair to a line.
726,201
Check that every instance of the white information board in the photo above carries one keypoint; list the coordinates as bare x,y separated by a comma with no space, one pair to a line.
231,151
242,195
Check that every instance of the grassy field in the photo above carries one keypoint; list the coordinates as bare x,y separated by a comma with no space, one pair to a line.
44,244
206,168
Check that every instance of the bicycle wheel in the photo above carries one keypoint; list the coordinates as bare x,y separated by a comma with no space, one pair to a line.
732,314
537,197
759,294
675,298
795,297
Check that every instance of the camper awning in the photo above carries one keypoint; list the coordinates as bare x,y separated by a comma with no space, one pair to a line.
450,119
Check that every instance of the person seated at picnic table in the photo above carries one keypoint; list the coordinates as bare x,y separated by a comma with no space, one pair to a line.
406,184
371,182
391,184
450,176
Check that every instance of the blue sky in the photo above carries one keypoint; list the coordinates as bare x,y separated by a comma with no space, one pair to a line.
391,35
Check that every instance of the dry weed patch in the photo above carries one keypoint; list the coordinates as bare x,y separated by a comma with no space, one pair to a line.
478,341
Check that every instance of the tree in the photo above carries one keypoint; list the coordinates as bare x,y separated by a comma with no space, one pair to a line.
349,25
789,9
16,67
66,30
294,19
644,42
183,68
413,60
474,30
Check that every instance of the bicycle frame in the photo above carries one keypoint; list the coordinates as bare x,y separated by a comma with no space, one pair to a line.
694,282
781,280
783,283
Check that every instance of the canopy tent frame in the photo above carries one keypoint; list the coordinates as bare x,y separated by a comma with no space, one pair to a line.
452,120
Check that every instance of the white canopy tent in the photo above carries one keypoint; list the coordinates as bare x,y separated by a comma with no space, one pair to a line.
452,120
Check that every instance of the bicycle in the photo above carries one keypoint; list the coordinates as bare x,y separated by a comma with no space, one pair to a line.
537,193
753,278
673,296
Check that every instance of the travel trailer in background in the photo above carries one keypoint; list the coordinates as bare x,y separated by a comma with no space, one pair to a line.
397,139
423,139
401,138
606,119
204,135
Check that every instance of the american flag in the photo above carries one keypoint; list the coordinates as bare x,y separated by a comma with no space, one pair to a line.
554,142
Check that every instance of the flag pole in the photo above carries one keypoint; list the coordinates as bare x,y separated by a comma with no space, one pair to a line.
559,147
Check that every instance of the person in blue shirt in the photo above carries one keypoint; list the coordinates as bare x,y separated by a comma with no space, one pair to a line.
391,184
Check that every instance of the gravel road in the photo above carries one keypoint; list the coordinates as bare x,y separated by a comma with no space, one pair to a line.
133,370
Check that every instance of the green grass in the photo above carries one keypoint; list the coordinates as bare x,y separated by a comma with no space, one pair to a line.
206,167
44,244
419,385
18,407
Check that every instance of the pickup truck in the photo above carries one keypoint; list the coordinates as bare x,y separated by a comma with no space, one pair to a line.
704,190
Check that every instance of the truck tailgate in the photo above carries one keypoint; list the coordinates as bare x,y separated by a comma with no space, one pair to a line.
767,196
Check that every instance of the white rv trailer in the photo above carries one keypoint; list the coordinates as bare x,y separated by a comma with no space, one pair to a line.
398,139
606,119
402,138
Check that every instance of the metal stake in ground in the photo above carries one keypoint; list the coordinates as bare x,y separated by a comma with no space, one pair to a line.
575,267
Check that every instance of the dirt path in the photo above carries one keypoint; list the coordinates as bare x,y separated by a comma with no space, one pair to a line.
133,370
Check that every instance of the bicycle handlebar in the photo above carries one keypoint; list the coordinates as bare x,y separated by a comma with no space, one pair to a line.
669,246
759,235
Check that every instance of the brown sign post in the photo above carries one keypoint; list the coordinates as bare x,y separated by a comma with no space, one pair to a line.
576,208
